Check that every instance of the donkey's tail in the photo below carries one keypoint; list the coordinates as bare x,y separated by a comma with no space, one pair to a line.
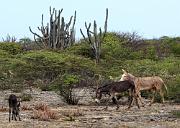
165,88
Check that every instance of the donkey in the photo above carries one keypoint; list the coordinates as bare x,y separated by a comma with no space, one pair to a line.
155,84
14,107
116,87
105,93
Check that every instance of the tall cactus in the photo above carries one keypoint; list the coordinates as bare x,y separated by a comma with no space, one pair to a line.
56,34
95,39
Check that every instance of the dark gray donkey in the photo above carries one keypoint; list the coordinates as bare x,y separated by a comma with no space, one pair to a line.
117,87
14,107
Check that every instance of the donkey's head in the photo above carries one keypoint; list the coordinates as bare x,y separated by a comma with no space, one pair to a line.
98,95
126,76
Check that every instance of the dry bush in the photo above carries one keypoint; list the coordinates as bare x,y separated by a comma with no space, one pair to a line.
25,107
41,106
73,112
44,113
2,109
52,114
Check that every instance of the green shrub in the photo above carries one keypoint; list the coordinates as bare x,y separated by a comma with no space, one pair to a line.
17,87
176,48
63,68
82,49
112,46
150,53
11,48
66,89
174,89
26,97
173,43
52,65
4,54
4,85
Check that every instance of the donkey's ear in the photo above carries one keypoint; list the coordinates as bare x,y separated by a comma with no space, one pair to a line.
124,71
110,77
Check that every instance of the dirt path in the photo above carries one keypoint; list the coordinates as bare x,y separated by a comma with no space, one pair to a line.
157,116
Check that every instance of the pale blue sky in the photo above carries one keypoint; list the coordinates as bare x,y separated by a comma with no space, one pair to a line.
150,18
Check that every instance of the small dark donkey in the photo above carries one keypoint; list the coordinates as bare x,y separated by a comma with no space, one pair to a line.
14,107
117,87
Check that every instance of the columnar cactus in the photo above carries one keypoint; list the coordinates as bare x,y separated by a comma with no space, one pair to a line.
96,40
56,34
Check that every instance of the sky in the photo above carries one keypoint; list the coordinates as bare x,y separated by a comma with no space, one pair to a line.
149,18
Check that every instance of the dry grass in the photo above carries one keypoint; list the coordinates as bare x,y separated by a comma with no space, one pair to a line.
72,112
44,113
70,115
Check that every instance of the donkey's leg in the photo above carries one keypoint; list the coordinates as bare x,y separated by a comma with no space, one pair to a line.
137,103
110,97
107,102
140,99
130,98
130,94
19,117
114,100
130,102
116,103
137,97
12,114
152,100
162,95
14,117
9,114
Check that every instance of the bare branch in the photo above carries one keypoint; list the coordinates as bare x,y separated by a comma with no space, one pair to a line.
83,35
34,33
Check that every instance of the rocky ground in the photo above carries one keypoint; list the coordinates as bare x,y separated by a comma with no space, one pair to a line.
91,116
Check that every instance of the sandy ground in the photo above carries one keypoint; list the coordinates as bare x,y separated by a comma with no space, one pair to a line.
156,116
93,116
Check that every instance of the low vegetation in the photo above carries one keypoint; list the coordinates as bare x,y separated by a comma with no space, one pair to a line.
63,70
70,115
26,97
44,113
4,109
176,113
